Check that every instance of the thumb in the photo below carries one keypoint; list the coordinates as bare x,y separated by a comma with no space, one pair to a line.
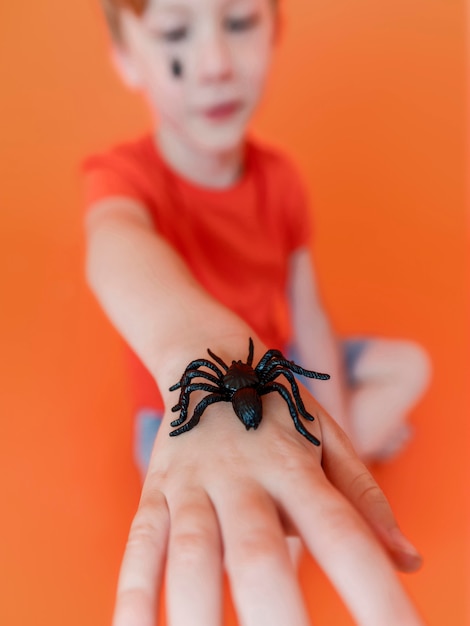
351,477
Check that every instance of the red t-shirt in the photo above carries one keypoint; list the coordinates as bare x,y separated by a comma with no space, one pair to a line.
236,241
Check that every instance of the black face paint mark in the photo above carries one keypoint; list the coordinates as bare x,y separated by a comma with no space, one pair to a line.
176,68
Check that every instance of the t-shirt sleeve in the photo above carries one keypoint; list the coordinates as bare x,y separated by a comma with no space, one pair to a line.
111,174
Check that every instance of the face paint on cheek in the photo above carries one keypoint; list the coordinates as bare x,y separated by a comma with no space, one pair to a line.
176,68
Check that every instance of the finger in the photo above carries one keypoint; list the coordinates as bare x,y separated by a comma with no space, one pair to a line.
194,565
347,551
345,470
262,577
143,564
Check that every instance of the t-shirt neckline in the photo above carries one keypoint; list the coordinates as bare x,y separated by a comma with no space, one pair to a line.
194,188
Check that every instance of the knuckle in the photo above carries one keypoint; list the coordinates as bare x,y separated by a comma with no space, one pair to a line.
189,545
152,499
133,606
301,471
196,531
340,524
372,495
128,599
341,439
194,528
143,531
147,525
294,458
256,549
366,491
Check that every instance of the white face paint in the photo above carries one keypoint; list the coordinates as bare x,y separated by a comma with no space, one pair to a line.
224,48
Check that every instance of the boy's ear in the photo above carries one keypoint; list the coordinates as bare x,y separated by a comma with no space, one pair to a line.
124,66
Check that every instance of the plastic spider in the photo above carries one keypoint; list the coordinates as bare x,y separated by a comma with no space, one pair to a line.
243,386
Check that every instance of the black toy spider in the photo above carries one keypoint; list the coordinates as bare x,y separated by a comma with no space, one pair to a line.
243,386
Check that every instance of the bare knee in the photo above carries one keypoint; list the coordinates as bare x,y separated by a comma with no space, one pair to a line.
403,362
415,365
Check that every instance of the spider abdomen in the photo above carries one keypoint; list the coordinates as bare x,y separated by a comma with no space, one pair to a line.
248,407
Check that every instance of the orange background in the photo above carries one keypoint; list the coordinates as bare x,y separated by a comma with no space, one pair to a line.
369,99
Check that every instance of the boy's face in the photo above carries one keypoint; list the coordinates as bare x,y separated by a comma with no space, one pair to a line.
222,50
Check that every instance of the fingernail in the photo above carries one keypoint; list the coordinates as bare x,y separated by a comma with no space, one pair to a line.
411,558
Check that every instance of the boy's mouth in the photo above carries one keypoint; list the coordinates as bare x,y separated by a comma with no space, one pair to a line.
222,111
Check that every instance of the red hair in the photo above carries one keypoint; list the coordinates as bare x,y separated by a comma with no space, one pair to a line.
111,9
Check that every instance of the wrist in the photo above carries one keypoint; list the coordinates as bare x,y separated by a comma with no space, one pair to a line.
229,344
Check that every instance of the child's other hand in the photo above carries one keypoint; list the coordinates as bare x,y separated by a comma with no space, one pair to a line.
221,496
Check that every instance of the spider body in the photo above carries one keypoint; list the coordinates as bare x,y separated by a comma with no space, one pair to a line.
248,407
240,375
243,386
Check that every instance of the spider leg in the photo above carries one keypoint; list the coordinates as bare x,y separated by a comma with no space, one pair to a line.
198,411
290,403
185,393
295,391
188,376
293,367
194,365
251,350
185,388
249,361
183,403
270,354
217,359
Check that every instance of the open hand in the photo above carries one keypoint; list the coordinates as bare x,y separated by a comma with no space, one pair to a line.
219,496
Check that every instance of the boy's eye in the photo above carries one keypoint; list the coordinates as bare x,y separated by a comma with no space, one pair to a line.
234,24
176,34
240,24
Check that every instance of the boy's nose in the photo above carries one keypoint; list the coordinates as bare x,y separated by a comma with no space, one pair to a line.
214,60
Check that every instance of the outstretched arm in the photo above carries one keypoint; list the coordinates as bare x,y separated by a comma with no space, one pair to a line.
219,494
148,292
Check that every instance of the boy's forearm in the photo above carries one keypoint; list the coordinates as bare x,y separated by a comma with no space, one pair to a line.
152,298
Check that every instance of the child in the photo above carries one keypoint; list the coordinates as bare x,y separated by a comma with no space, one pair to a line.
196,233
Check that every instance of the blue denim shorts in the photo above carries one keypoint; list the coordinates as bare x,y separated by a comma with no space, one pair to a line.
148,420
